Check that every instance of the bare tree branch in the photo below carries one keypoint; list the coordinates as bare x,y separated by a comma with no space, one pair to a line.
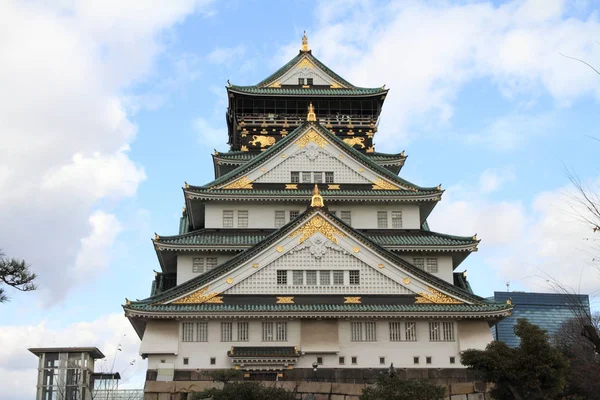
581,61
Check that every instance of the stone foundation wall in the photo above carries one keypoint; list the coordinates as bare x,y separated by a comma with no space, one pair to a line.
178,390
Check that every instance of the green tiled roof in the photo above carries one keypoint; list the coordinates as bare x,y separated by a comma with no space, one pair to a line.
357,155
263,351
210,237
367,308
283,193
312,91
385,156
248,155
234,262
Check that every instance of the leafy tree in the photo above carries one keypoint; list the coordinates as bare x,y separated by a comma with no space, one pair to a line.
15,273
245,391
395,388
534,370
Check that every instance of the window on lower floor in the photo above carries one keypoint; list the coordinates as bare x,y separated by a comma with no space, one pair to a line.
227,218
320,360
382,360
396,219
186,361
234,331
341,360
243,331
242,218
194,332
226,331
382,219
415,360
354,360
452,360
213,360
279,219
432,265
281,277
363,331
403,331
274,331
428,360
354,276
441,331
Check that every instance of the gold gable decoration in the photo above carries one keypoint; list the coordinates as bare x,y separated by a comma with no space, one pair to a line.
317,199
242,183
305,64
435,297
311,116
200,296
311,136
380,184
318,224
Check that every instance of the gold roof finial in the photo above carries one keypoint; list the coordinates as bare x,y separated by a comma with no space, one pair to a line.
304,42
311,113
317,199
156,236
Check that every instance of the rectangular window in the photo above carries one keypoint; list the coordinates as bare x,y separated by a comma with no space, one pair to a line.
410,331
309,81
434,332
242,332
371,331
300,81
242,218
311,277
274,331
294,214
432,265
211,262
318,177
395,332
213,360
397,219
295,177
226,331
419,262
346,216
306,177
325,278
194,332
356,330
186,361
342,360
428,360
279,219
448,331
354,360
320,360
354,277
198,265
415,360
382,220
298,277
227,218
338,277
328,177
452,360
382,360
281,277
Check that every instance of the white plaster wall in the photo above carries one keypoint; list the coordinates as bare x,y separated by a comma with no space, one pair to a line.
445,267
160,338
184,263
368,353
262,215
474,335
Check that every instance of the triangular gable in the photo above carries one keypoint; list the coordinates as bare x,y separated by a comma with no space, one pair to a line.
312,140
318,223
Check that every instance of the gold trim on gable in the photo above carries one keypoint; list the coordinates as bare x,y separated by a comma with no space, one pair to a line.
305,63
318,224
242,183
380,184
352,300
200,296
311,136
435,297
285,300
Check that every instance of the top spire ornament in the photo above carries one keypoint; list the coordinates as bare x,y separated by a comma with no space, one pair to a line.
317,199
311,116
304,43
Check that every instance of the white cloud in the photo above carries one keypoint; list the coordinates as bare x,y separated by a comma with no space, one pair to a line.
65,72
491,180
18,367
208,134
226,55
94,253
427,52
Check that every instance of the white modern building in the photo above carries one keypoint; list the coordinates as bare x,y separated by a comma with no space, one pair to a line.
308,248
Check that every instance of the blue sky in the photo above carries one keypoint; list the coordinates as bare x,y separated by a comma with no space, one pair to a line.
108,108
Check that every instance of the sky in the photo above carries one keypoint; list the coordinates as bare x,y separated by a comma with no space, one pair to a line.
107,107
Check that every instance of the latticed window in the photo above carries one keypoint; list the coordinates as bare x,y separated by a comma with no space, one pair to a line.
410,331
306,177
298,277
318,177
226,331
227,218
338,277
294,214
242,332
395,331
354,277
382,219
419,262
370,331
325,278
281,277
279,219
346,216
242,218
198,265
194,332
432,265
356,330
329,177
311,277
295,177
274,331
300,81
397,219
441,331
211,262
309,81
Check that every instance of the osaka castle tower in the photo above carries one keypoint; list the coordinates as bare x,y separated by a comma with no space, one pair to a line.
308,250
